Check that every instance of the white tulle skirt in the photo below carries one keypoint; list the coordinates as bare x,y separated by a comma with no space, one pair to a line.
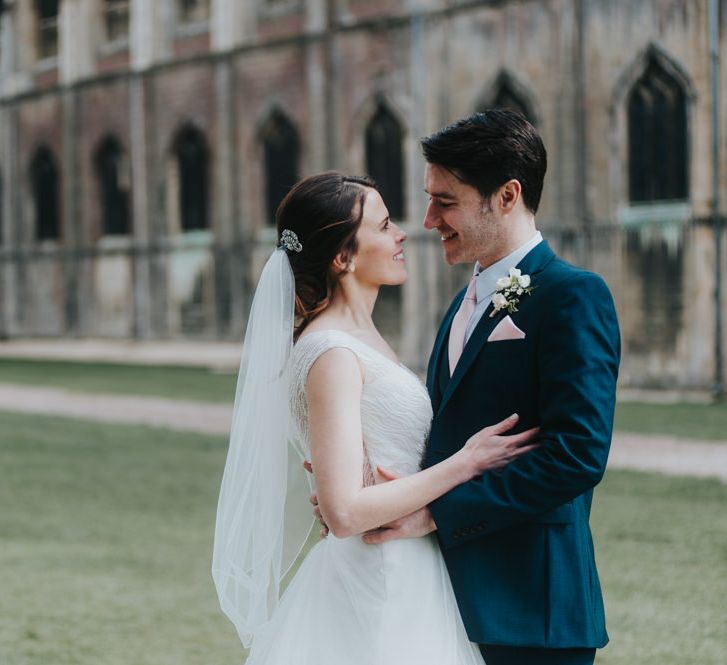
357,604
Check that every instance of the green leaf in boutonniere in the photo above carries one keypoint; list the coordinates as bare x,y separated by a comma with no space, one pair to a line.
509,290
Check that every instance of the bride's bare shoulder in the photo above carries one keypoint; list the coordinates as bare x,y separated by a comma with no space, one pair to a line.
323,324
328,347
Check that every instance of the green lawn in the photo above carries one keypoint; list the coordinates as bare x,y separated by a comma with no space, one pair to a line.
106,535
172,382
695,421
106,539
661,545
701,421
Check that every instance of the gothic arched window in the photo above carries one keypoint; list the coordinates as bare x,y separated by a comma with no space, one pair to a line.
657,122
47,28
506,95
192,157
194,11
112,170
506,98
281,148
116,15
2,234
385,160
45,185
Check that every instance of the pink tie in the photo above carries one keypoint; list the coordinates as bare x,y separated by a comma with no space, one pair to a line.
459,325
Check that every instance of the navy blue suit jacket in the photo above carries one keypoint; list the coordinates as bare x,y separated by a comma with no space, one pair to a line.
517,542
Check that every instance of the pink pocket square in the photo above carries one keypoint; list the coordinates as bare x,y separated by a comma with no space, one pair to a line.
504,330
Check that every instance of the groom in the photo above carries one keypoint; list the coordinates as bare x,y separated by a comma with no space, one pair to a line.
530,335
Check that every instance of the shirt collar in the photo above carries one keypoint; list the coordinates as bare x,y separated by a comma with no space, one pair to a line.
486,279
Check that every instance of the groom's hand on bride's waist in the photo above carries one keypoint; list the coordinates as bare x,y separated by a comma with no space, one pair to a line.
415,525
314,501
317,512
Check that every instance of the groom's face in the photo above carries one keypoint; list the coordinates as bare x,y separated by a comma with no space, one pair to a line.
469,229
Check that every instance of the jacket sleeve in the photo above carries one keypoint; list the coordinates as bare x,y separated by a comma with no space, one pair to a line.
577,362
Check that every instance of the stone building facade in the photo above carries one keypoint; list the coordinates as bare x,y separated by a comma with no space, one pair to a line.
144,143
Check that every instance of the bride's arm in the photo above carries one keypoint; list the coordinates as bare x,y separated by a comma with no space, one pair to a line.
333,390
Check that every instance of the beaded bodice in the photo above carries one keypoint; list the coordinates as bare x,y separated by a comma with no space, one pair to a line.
396,412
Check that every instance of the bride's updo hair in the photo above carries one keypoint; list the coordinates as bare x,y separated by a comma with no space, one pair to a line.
325,212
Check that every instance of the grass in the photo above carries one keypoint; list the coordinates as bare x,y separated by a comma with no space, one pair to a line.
661,545
695,421
106,539
106,536
172,382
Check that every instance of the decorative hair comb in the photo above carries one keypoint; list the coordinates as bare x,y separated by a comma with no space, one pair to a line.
289,241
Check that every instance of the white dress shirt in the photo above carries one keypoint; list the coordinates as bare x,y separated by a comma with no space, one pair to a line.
486,279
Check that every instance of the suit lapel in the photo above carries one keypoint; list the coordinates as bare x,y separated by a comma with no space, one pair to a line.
474,344
439,352
533,263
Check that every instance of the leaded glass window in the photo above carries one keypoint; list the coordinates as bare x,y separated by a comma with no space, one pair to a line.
2,230
47,27
45,185
112,170
281,148
657,134
117,19
192,157
385,159
507,95
194,11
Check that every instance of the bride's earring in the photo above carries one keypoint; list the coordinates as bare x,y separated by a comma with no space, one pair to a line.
351,267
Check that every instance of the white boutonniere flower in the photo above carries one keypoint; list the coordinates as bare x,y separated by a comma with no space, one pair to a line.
508,291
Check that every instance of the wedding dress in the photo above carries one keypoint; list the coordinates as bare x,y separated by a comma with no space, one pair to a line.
356,604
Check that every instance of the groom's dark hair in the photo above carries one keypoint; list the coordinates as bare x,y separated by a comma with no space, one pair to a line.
485,150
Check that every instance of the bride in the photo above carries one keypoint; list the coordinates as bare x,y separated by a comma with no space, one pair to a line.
316,374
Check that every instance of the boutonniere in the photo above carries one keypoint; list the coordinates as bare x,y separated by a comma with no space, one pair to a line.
508,291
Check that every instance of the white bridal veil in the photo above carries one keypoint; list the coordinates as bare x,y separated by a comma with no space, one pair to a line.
263,515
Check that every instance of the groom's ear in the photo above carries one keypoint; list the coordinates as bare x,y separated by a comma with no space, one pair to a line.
509,195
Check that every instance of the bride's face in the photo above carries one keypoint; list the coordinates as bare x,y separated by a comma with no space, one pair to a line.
380,256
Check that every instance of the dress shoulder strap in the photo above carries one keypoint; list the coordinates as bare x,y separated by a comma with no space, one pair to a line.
313,345
306,351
